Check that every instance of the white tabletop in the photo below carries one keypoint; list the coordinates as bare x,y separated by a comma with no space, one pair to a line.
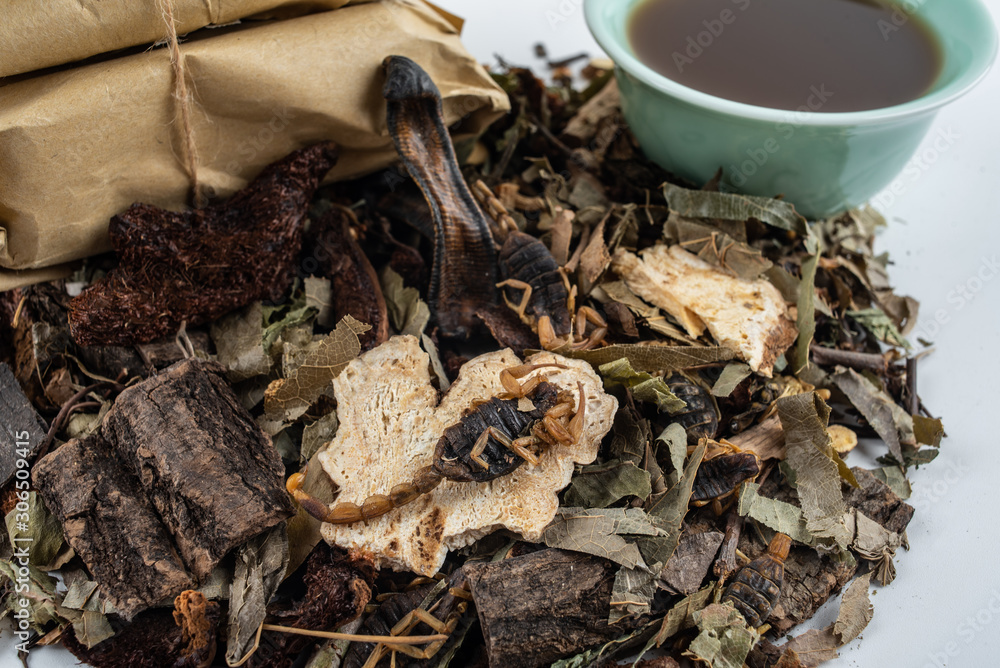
944,236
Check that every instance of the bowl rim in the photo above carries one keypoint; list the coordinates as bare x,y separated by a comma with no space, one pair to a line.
966,81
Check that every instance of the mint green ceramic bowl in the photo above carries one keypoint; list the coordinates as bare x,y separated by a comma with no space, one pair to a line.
823,163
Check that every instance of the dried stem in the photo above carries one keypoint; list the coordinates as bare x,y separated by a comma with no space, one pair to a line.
67,409
353,637
852,360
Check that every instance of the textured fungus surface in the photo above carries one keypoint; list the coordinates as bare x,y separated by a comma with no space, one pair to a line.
390,422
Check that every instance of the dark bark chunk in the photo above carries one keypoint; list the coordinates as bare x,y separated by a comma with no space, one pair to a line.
198,265
687,567
212,474
878,502
111,525
20,426
543,606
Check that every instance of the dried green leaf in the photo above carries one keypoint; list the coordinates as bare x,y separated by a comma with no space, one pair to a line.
79,593
290,397
260,567
896,479
317,435
774,514
810,454
37,529
880,325
855,611
643,386
724,640
92,628
681,616
599,532
290,315
728,206
654,358
600,485
632,593
43,601
629,436
928,431
609,651
319,296
239,343
716,247
409,314
787,284
675,438
669,512
806,319
874,404
875,543
734,374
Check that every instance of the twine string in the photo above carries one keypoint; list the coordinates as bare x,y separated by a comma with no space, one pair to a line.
183,97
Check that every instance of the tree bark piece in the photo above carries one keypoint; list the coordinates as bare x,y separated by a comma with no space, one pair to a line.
111,525
543,606
20,426
212,474
687,567
878,502
179,475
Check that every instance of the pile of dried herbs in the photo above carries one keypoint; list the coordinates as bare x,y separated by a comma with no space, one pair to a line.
730,322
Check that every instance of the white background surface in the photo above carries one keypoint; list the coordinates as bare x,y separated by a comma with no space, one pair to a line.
944,234
944,229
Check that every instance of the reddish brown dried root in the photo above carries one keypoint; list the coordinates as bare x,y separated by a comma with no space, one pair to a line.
195,266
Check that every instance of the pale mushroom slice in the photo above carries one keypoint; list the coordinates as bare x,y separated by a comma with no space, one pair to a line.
747,316
390,422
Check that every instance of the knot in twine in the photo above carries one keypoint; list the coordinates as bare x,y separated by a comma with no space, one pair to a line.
184,102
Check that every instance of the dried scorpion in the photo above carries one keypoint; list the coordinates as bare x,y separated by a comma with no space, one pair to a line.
756,587
722,475
546,299
491,439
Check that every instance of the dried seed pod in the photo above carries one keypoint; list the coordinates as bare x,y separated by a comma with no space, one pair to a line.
195,266
756,587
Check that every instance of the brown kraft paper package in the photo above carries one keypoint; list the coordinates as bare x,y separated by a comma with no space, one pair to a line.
79,145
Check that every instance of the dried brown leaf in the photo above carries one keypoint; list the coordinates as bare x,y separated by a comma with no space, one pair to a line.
290,397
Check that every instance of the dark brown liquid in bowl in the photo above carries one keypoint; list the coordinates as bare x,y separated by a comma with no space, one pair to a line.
820,55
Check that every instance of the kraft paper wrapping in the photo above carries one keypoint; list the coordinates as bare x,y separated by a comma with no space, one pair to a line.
35,35
80,145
